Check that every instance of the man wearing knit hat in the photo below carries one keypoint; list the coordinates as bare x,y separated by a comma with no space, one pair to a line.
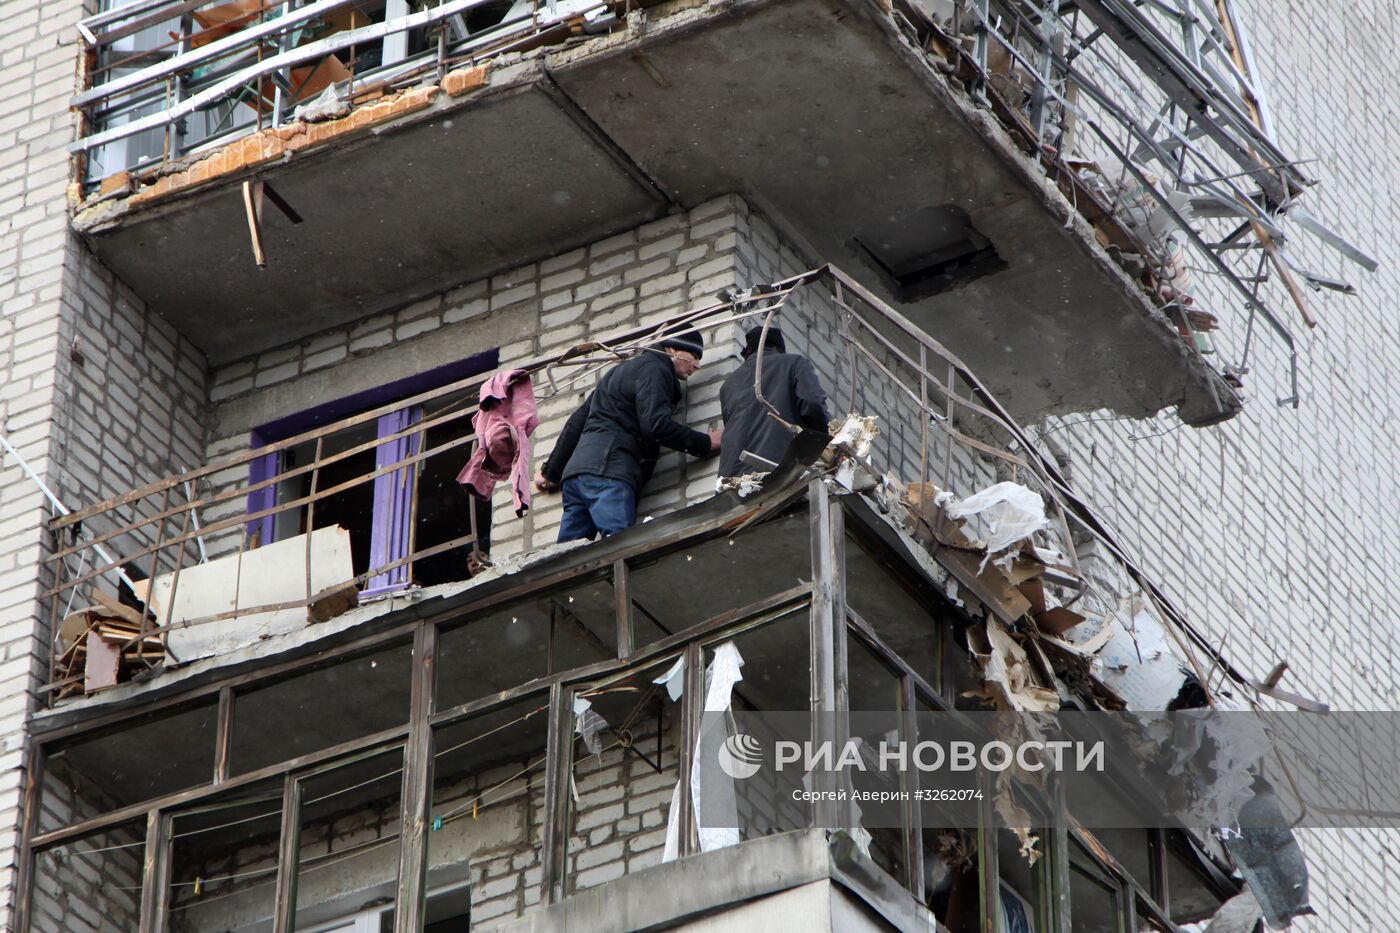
790,385
608,448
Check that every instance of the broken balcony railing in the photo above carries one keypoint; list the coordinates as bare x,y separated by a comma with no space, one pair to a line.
940,429
167,77
1149,116
1151,119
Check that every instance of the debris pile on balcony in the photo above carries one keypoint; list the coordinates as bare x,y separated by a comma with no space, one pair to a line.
100,646
1008,562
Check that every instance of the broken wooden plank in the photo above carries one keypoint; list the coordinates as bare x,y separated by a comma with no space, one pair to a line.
1058,620
114,607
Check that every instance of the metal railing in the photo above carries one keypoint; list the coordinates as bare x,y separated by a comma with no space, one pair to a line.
167,77
1149,114
930,392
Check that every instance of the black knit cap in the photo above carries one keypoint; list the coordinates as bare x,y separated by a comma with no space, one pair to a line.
690,341
774,342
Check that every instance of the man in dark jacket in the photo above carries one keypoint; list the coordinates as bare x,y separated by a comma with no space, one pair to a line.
608,448
790,384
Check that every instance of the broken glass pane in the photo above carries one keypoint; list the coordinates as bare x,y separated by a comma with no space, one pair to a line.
698,582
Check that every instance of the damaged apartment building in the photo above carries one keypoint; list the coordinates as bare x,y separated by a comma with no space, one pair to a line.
271,667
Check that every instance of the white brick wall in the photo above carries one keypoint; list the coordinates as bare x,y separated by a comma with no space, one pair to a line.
130,411
656,271
91,884
1276,531
34,127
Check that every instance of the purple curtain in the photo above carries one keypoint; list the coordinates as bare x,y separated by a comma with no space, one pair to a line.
393,503
265,467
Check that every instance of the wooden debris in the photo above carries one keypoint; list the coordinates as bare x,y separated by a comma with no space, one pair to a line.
103,663
1058,620
1016,581
101,646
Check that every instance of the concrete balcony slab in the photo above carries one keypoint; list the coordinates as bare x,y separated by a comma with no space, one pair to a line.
823,115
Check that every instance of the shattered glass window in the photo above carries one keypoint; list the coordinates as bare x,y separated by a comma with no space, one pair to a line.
541,635
903,618
699,582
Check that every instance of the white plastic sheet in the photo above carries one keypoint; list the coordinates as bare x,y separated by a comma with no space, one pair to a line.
720,678
673,680
1013,512
721,805
588,723
673,827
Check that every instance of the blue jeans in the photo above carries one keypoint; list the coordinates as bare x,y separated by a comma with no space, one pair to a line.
596,505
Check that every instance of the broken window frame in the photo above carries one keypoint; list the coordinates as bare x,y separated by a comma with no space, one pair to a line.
1052,878
413,839
831,624
1131,895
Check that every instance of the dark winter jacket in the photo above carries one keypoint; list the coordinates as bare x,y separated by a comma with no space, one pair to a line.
618,432
791,385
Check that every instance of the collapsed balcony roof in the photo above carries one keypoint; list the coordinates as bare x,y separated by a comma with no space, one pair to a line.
826,117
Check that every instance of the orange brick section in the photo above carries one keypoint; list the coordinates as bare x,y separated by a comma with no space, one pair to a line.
456,83
271,145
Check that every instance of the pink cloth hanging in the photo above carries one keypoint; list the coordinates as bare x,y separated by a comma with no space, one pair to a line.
504,422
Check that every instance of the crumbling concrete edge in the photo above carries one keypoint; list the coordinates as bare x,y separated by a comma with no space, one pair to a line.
1206,398
274,147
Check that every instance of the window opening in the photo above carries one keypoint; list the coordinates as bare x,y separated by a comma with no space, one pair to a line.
118,766
487,804
666,599
90,883
623,774
545,634
909,622
874,688
315,709
1095,898
387,518
349,834
223,860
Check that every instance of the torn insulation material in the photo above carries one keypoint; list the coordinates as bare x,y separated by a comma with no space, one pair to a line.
1139,662
1008,679
1215,760
854,433
1016,817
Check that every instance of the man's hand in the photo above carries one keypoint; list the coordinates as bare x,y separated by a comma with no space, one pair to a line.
542,484
716,437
